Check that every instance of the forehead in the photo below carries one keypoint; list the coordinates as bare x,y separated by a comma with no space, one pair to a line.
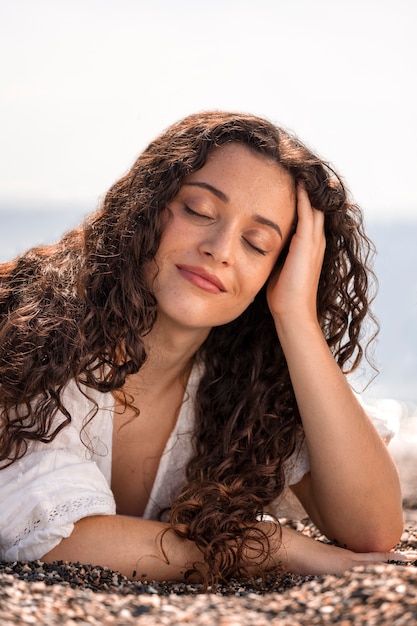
236,166
252,185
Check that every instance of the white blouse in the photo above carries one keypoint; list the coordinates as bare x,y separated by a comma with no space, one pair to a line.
54,485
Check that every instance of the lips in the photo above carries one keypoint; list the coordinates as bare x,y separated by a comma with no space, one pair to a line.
199,277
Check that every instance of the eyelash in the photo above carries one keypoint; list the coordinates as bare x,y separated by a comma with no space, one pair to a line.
190,211
255,248
195,214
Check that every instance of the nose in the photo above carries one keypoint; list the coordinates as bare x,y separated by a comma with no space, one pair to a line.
220,245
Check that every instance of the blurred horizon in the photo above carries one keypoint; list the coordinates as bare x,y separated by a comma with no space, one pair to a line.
395,306
83,208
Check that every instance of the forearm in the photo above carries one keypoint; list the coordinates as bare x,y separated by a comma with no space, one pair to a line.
353,491
142,549
132,546
128,545
354,482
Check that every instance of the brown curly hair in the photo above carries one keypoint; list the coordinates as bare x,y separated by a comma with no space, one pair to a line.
79,309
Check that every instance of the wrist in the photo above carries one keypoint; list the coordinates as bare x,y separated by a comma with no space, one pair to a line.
297,323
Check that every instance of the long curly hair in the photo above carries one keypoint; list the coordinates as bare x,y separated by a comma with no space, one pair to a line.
80,309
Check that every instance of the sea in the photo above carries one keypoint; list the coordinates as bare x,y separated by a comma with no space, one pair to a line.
394,388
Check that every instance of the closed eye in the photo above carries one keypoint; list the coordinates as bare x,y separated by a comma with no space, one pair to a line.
251,245
190,211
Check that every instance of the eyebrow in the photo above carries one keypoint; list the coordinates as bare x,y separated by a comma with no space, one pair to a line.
266,222
222,196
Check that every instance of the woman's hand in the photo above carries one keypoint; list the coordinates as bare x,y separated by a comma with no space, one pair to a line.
303,555
292,289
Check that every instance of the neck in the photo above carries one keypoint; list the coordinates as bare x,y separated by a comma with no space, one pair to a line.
170,355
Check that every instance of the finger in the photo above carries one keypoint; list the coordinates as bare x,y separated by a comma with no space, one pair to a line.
307,214
304,208
405,557
385,557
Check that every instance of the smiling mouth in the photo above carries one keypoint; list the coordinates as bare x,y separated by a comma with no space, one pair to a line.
202,279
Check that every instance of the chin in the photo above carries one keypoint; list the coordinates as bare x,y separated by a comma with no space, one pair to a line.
198,314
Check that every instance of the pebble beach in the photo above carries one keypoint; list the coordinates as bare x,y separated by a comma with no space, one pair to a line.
76,594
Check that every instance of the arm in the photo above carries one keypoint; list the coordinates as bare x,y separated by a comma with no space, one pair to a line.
353,491
132,546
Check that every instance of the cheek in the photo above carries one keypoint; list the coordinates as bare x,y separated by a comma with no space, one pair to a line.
150,272
255,280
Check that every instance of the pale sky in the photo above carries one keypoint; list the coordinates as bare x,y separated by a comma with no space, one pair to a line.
86,84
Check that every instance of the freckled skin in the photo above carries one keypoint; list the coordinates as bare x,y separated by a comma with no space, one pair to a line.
221,236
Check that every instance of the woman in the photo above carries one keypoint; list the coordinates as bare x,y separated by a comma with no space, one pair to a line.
173,368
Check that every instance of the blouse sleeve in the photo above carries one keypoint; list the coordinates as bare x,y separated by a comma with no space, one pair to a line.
54,485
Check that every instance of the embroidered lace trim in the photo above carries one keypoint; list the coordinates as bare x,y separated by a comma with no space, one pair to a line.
63,513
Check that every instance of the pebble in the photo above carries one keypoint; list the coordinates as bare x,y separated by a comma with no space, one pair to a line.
73,594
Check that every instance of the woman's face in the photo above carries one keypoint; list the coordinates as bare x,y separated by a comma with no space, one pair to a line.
222,235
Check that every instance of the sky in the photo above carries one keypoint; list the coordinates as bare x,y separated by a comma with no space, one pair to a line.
86,84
